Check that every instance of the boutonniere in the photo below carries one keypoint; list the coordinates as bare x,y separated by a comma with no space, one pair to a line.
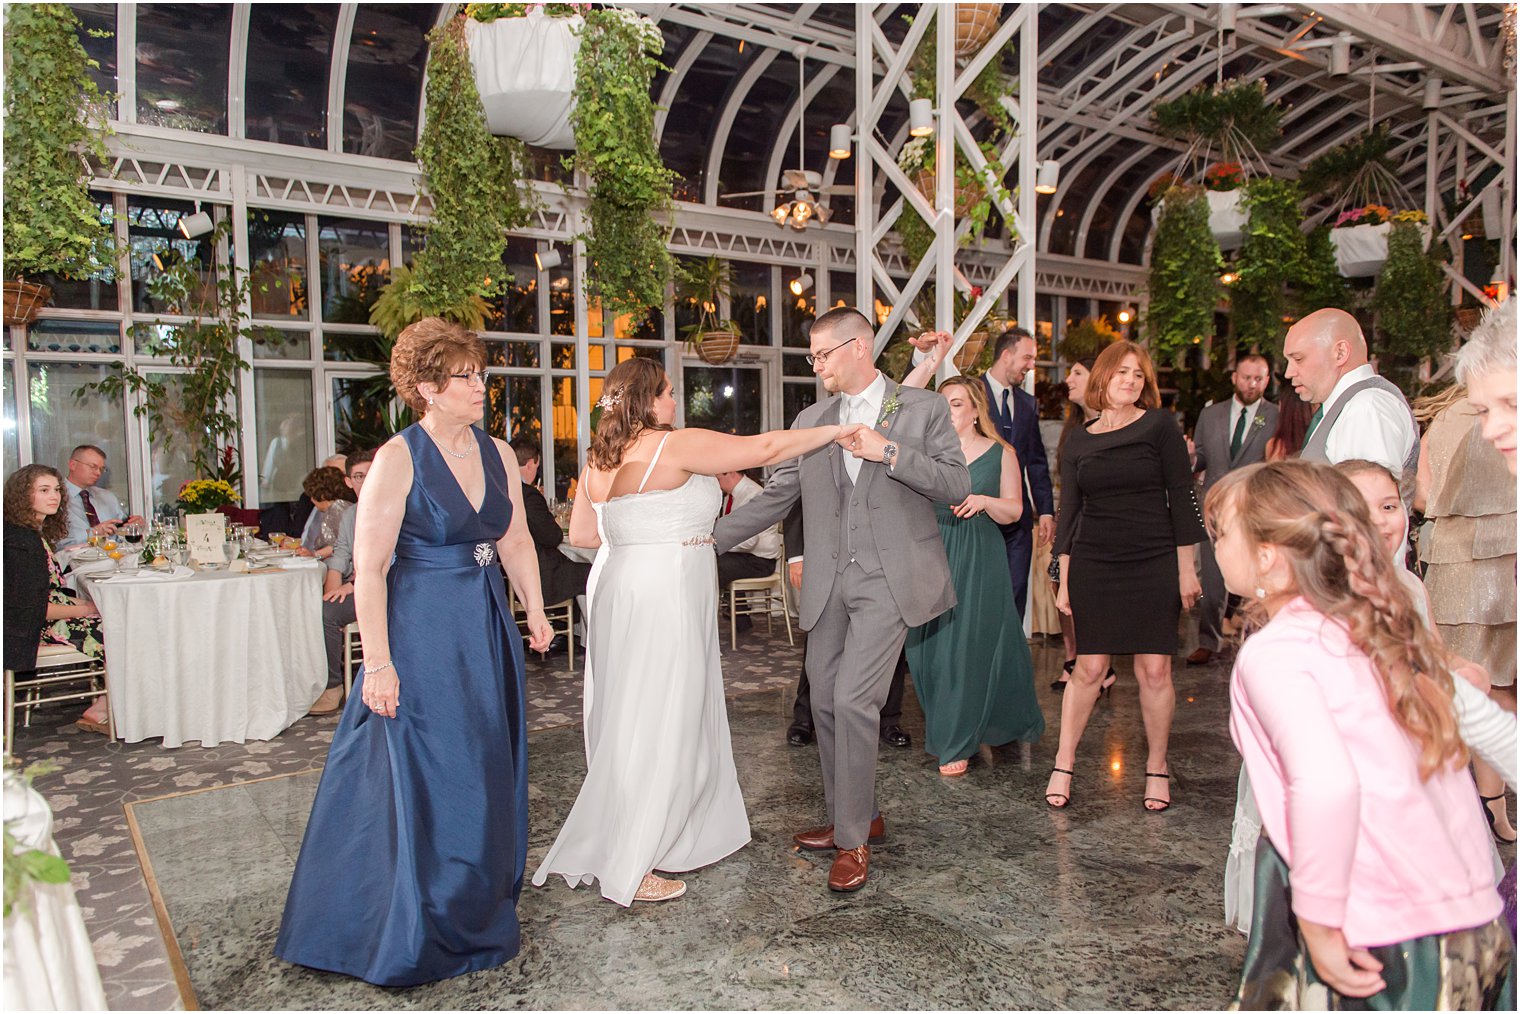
888,409
1258,422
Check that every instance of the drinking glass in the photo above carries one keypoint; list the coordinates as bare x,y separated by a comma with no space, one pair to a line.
133,534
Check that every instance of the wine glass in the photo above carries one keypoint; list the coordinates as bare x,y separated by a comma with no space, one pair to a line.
231,551
133,535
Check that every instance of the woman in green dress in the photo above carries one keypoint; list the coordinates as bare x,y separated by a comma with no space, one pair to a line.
971,666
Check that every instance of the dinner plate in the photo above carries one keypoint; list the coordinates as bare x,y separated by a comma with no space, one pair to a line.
89,555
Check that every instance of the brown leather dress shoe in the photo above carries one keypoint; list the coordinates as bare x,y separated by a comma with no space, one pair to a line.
850,868
818,839
1200,656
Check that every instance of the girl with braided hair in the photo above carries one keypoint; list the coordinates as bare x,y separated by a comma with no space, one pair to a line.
1373,874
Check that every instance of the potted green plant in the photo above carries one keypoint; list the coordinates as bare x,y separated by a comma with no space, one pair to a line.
1359,178
1087,337
1184,273
1227,126
1272,256
524,57
708,285
194,407
1412,312
54,120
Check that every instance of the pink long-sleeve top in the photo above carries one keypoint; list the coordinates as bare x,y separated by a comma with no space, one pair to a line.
1370,847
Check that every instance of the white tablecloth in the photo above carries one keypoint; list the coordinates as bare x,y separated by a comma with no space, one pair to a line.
214,658
49,963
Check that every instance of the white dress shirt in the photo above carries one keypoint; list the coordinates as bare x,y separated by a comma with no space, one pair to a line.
997,390
863,408
1250,410
1375,425
107,508
766,545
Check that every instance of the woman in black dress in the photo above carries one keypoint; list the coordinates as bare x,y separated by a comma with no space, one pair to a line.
1128,522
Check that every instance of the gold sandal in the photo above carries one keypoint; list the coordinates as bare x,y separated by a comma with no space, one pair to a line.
659,889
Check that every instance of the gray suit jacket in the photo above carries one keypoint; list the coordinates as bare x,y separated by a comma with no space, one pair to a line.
930,468
1212,439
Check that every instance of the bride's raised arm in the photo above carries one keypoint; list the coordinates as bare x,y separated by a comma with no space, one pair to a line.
708,452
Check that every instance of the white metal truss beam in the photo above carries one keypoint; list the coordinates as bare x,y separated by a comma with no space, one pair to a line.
756,26
1459,48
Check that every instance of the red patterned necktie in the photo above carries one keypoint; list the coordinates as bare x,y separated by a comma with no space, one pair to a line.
89,509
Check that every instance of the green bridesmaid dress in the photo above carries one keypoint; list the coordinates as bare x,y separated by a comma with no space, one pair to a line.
971,666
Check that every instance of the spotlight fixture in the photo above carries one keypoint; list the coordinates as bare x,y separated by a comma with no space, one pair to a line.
1229,278
1047,177
839,140
801,284
1340,55
1227,17
547,259
1125,316
921,117
198,224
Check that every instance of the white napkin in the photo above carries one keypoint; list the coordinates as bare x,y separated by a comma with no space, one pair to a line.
297,562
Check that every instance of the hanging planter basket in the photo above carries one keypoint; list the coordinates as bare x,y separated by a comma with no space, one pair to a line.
1360,250
24,300
1227,216
717,347
966,358
525,73
965,197
974,25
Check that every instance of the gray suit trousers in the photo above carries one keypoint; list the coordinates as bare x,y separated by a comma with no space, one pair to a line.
1211,606
851,654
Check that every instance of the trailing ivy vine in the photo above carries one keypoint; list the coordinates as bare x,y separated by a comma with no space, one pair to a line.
1184,275
1272,256
615,144
1413,312
473,179
54,120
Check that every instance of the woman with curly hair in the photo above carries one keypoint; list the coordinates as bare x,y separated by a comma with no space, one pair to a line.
39,608
413,858
1373,873
331,498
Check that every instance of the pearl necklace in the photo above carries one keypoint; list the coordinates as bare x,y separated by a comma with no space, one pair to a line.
461,455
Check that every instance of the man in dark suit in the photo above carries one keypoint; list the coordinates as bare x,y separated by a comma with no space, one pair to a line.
1229,435
1016,415
560,576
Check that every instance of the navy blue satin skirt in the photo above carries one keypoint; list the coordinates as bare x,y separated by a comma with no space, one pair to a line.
413,858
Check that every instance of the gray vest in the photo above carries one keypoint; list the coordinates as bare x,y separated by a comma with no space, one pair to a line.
1314,447
857,541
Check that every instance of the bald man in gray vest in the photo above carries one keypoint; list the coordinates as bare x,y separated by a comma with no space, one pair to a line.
1360,414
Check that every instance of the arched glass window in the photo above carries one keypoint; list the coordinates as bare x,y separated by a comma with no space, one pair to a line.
289,57
182,65
386,56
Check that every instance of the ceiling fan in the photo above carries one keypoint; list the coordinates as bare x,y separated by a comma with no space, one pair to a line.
804,186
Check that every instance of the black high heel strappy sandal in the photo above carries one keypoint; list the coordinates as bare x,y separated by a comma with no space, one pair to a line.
1493,826
1064,797
1166,804
1059,685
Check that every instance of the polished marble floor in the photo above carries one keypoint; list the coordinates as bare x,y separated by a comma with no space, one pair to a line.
981,897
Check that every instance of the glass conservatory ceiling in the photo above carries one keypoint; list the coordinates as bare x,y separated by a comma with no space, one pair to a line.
347,78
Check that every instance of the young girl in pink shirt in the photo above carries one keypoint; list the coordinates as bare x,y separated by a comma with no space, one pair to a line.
1374,886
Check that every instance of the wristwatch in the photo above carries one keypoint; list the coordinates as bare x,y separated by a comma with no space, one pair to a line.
889,456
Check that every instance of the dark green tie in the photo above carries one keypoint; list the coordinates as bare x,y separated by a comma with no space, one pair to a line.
1314,419
1240,434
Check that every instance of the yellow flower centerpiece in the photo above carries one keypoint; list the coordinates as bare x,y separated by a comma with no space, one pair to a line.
200,496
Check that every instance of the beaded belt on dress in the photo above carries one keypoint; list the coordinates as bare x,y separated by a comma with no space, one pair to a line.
699,540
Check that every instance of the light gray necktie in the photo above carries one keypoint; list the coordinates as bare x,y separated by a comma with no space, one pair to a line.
855,409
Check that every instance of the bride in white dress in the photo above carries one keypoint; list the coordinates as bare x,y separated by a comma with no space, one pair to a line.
661,792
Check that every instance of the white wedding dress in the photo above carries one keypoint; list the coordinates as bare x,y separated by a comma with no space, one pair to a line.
661,792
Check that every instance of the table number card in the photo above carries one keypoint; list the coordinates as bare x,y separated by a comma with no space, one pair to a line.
206,534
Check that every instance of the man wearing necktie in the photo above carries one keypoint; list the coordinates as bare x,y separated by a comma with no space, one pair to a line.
1017,417
1229,435
92,509
754,557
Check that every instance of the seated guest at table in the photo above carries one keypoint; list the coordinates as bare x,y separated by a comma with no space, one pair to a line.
338,589
331,497
754,557
560,576
39,607
92,510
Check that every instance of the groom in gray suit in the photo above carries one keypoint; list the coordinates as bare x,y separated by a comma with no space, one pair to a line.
875,565
1229,435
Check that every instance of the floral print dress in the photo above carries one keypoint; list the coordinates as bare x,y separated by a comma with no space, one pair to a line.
83,633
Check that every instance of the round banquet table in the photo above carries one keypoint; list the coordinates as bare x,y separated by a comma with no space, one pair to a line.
214,657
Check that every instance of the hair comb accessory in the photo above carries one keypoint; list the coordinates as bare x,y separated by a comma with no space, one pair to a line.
612,399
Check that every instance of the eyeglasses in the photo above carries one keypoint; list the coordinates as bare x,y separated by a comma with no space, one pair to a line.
478,376
813,360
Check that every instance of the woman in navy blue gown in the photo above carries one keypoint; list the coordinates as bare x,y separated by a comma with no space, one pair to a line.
413,857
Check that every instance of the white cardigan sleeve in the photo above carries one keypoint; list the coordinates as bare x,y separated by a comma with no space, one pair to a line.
1487,729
